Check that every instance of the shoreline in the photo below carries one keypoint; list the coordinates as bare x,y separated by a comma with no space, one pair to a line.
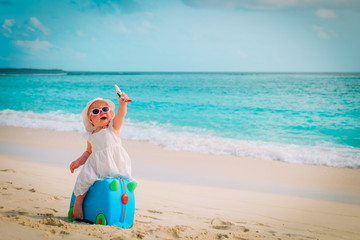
221,197
339,156
223,171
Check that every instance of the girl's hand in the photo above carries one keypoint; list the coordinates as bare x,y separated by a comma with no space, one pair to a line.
125,98
74,165
81,160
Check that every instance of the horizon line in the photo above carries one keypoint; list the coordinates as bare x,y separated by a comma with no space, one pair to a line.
140,71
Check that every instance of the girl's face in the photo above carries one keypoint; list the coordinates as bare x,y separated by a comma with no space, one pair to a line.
103,118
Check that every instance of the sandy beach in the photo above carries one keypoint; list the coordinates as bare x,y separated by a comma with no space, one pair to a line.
181,195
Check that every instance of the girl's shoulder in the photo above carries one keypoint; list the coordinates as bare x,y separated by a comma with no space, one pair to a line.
87,135
111,128
111,124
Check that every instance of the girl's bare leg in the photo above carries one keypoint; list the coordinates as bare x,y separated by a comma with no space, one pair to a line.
78,210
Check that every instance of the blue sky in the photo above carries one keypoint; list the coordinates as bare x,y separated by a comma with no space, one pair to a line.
181,35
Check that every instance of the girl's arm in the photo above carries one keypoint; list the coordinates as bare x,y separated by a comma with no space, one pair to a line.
120,116
82,159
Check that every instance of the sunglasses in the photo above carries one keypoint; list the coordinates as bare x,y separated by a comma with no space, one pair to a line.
96,111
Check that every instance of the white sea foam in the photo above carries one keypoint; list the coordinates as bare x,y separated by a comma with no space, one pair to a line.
56,120
189,139
193,139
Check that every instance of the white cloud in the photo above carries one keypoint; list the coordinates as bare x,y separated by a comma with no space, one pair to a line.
325,13
118,27
141,30
322,33
235,4
34,45
147,24
37,24
142,27
121,27
145,27
272,4
31,25
8,23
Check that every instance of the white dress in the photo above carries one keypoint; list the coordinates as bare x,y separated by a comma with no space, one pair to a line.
108,159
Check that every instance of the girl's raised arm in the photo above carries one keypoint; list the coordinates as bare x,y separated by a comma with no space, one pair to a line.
121,113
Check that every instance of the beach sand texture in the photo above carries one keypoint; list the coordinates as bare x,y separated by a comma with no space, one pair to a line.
181,195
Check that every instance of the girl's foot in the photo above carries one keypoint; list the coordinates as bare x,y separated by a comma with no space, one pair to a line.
132,185
78,211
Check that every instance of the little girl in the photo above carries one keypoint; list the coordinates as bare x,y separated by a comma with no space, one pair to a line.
104,156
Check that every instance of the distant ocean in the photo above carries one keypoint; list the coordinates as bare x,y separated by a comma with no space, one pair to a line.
291,117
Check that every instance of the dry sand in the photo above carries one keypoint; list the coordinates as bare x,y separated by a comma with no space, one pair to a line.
181,195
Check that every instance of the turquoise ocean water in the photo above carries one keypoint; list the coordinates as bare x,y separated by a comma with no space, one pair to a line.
291,117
